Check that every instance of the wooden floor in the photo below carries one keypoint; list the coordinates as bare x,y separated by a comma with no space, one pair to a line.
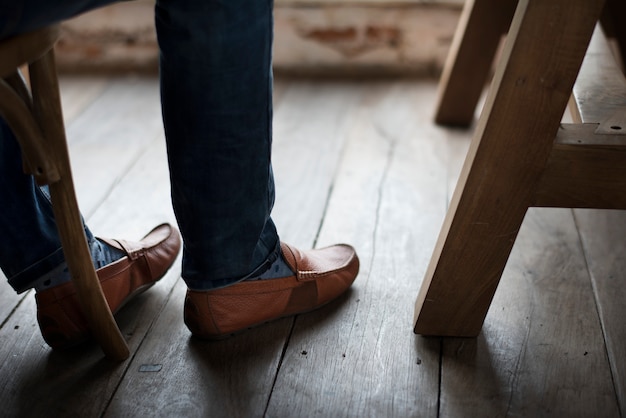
358,162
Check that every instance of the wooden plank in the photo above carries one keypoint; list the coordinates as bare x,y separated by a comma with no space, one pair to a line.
541,351
30,369
9,300
600,89
586,169
481,375
502,170
602,233
173,375
121,213
387,210
78,93
75,382
310,128
357,357
38,372
111,135
234,377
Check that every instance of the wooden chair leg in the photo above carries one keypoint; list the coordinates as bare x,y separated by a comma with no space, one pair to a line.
467,68
513,140
47,109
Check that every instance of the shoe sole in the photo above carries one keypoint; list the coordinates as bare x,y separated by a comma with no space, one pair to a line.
222,337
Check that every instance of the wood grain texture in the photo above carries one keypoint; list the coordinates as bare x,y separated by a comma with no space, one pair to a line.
389,177
26,48
527,100
111,135
541,350
602,233
600,88
310,129
69,389
68,218
234,377
586,169
174,375
534,338
356,357
76,94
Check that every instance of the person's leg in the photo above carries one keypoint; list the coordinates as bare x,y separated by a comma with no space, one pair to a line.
216,85
31,254
30,251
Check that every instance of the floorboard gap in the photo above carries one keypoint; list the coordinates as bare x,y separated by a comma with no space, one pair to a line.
597,302
440,377
280,363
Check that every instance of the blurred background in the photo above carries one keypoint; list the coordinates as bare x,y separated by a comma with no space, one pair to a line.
312,38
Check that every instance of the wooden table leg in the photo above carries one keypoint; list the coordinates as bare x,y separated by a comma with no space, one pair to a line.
532,84
467,68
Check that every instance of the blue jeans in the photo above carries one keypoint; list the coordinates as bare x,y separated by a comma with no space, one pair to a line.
216,96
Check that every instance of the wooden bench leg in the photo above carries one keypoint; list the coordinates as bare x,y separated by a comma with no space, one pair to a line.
512,143
47,108
467,68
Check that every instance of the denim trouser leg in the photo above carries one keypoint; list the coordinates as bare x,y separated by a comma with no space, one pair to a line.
217,107
30,245
216,87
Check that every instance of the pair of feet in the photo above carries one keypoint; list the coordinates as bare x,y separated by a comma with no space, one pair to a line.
319,276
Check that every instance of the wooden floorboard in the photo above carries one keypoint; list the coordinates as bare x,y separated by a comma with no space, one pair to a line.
541,351
358,162
542,330
603,235
358,357
108,190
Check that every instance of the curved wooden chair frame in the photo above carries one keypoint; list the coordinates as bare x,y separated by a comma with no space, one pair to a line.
34,115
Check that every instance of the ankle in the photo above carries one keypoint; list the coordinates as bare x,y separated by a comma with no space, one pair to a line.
102,255
53,278
279,268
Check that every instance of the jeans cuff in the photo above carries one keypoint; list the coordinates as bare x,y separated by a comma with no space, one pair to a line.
204,285
25,279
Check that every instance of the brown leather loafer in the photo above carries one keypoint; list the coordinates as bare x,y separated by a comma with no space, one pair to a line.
321,275
59,315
